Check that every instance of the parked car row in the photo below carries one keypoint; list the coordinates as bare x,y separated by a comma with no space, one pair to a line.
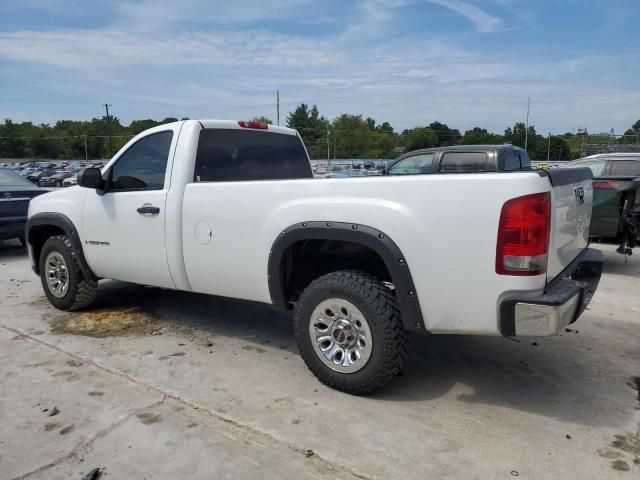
51,174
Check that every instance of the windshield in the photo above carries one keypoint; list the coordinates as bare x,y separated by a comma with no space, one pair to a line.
9,178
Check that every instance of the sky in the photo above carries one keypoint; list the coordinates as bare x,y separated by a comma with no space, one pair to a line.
466,63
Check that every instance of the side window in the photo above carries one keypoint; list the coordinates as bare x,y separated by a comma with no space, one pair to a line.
228,155
464,162
413,165
624,168
513,162
596,166
143,165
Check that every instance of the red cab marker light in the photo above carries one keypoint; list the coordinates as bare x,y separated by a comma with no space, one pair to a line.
256,125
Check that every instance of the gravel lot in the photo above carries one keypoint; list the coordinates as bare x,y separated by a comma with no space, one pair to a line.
153,383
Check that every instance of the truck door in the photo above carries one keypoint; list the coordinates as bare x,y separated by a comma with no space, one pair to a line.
123,230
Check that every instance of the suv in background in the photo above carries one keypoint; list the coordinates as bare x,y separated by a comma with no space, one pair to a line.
461,159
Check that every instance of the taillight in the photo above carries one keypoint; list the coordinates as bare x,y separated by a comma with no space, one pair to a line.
523,235
258,125
605,185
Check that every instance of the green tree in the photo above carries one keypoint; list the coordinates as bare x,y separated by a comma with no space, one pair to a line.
446,136
351,135
480,136
262,119
420,137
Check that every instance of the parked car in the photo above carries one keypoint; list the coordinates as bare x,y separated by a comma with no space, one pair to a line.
232,209
54,180
616,202
15,194
35,176
70,181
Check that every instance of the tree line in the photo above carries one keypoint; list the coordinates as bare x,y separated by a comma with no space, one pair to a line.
346,136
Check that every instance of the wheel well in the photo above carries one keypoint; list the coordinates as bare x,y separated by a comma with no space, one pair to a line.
306,260
38,235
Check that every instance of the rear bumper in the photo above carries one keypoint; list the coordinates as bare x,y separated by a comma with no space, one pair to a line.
562,302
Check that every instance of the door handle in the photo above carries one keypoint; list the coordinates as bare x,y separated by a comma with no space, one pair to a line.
148,209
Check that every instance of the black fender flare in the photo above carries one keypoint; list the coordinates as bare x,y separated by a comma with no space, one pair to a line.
370,237
66,225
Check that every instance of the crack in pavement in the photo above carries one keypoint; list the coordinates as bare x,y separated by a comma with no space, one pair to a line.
194,407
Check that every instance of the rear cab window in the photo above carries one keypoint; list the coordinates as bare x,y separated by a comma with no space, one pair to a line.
625,168
228,155
465,162
516,160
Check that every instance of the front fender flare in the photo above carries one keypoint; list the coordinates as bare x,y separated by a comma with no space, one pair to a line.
65,224
370,237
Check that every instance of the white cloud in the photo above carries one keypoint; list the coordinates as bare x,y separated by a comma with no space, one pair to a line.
88,49
158,14
482,20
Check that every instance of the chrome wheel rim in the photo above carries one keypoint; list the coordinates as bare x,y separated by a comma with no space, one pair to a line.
57,274
340,335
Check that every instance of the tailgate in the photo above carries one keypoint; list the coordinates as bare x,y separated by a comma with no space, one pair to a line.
572,200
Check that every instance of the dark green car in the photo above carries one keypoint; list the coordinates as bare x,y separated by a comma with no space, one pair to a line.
616,197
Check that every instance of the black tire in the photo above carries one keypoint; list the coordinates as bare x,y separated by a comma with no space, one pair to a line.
379,306
81,291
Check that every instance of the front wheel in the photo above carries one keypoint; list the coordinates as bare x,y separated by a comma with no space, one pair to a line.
62,278
349,332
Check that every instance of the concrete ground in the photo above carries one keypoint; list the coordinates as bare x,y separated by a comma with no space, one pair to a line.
152,383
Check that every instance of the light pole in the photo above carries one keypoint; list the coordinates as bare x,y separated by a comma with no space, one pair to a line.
328,151
526,132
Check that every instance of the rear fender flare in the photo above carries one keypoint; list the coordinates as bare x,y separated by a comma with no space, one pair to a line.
370,237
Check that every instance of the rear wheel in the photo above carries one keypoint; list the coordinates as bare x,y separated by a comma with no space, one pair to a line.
62,278
349,332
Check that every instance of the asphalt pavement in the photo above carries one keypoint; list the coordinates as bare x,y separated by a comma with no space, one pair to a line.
152,383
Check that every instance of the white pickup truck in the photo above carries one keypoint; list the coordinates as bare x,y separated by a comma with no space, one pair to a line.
232,209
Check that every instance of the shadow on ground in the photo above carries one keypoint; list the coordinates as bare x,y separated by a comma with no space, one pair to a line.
572,377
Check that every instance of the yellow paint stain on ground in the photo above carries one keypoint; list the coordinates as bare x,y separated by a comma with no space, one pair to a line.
105,322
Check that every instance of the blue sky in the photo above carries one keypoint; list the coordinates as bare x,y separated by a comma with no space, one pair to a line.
409,62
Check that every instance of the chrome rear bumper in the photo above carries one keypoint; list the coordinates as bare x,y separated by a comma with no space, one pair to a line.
562,302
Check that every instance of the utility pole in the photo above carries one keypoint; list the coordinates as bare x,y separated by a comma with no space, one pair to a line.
549,147
278,105
328,151
106,107
526,132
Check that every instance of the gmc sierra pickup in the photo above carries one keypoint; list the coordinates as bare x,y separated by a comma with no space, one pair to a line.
230,208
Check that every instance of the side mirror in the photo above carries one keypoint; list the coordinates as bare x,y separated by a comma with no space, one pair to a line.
91,178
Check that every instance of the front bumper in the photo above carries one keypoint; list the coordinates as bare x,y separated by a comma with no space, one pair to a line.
562,302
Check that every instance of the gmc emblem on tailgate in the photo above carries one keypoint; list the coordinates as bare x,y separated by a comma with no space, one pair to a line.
579,191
